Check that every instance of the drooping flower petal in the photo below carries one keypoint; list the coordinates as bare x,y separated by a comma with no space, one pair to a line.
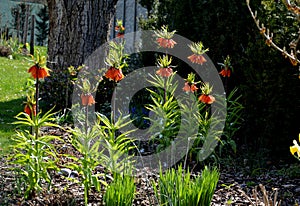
114,74
198,59
206,99
38,72
30,109
189,88
225,72
165,43
165,72
87,99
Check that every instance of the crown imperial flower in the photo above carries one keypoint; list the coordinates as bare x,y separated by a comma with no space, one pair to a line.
198,51
164,37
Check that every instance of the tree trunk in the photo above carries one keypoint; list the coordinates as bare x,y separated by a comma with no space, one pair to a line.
25,30
77,28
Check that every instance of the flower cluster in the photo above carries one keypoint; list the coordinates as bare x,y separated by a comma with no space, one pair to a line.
190,85
116,60
226,68
39,69
164,37
164,65
198,52
206,96
86,96
120,29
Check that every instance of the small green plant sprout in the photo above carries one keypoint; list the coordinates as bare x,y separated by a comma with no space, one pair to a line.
121,191
164,37
198,52
295,149
33,154
100,144
179,188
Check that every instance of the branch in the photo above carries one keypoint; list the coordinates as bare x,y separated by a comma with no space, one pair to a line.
268,35
293,8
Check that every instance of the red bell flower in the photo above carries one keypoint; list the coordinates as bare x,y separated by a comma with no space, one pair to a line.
189,87
38,72
165,43
225,72
114,74
198,59
165,72
30,109
206,99
87,99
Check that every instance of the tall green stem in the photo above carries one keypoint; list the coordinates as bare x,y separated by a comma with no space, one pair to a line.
37,90
86,118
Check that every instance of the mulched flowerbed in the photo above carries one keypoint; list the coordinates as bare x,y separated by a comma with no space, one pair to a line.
233,188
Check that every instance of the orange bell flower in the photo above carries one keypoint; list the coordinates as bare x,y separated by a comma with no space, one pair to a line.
30,109
207,99
165,72
38,72
114,74
87,99
165,43
225,72
189,87
198,59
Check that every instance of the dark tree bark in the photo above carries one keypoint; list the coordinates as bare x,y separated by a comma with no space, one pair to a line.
77,28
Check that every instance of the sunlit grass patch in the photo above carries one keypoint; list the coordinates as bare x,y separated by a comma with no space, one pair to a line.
13,77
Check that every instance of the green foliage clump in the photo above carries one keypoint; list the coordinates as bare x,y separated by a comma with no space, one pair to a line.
121,191
179,188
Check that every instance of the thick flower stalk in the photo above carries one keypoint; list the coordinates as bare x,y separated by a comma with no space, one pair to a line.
164,37
198,52
37,71
190,85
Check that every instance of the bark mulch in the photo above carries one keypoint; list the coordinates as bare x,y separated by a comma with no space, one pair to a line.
234,187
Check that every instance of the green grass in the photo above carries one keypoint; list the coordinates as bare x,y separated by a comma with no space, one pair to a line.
13,77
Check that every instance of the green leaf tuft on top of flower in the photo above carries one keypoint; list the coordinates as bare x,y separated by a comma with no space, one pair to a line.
116,57
39,69
198,51
164,62
120,29
226,67
198,48
206,96
164,37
